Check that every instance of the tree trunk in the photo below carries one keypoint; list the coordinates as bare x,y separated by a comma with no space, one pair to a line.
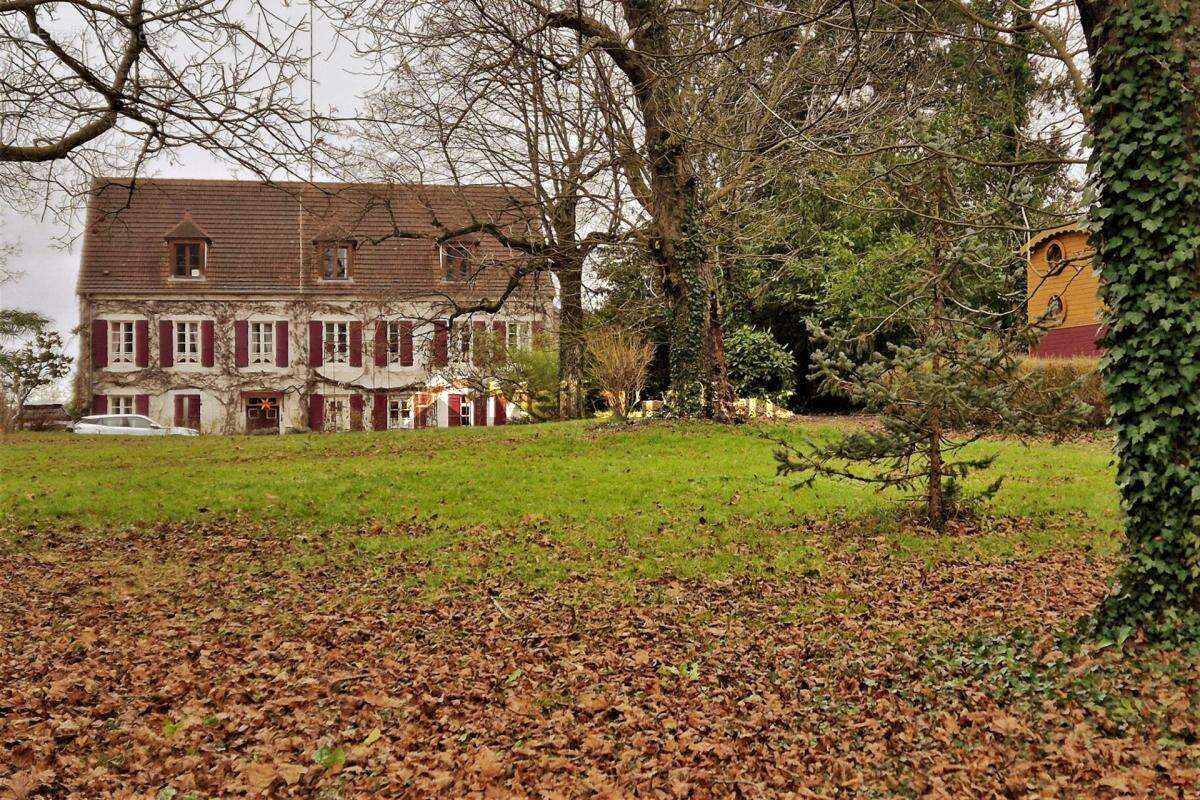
1146,159
570,339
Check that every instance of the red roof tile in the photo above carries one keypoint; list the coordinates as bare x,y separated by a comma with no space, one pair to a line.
259,232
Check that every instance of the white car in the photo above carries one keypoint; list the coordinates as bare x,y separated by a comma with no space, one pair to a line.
128,425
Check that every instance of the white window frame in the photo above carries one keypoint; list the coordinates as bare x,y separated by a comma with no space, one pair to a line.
119,404
335,342
394,345
261,344
466,411
335,258
186,334
337,414
400,413
518,335
122,342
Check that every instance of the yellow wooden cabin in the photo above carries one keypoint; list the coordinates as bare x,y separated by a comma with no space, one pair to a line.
1063,292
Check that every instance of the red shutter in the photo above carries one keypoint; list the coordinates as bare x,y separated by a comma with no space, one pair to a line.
281,343
241,343
441,343
500,414
180,411
315,355
316,411
406,344
455,403
379,410
480,411
99,404
193,411
477,349
141,404
381,343
141,343
99,344
166,343
356,410
500,331
356,346
207,339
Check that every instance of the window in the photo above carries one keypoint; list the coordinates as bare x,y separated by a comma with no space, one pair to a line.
335,414
461,334
1056,310
400,413
187,342
120,348
466,411
337,342
262,342
336,259
1054,259
189,259
120,403
457,260
393,342
520,335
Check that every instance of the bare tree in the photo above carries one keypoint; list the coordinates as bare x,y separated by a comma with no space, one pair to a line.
617,361
466,106
104,85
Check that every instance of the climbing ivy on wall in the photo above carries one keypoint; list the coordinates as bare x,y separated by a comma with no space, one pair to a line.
1146,169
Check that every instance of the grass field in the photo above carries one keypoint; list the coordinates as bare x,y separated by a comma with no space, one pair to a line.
571,610
555,500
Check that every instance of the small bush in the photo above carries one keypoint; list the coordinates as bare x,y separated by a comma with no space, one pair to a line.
1081,375
759,366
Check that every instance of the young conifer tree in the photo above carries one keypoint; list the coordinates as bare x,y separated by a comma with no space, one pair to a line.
951,378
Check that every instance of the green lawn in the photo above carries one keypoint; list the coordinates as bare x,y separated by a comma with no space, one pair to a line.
542,501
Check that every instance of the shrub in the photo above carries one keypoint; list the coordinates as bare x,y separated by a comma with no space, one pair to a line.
759,366
1039,376
617,363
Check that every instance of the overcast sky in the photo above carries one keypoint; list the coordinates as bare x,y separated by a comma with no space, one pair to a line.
49,257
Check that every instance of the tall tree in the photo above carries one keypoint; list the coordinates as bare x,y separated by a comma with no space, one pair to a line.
1145,115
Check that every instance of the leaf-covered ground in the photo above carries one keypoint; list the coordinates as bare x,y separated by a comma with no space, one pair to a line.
181,660
559,610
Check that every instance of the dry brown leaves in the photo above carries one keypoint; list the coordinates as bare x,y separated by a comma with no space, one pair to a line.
184,661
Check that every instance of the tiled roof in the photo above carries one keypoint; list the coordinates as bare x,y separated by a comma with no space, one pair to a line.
1042,236
259,232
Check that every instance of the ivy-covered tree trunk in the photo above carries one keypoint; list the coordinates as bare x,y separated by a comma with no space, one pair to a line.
1146,163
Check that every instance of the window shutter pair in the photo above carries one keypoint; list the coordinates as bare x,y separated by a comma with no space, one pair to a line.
187,410
441,343
379,412
316,343
141,343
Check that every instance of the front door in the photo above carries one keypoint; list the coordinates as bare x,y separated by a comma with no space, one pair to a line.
262,413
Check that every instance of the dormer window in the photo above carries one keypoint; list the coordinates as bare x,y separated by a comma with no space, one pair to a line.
187,247
189,259
458,260
336,259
